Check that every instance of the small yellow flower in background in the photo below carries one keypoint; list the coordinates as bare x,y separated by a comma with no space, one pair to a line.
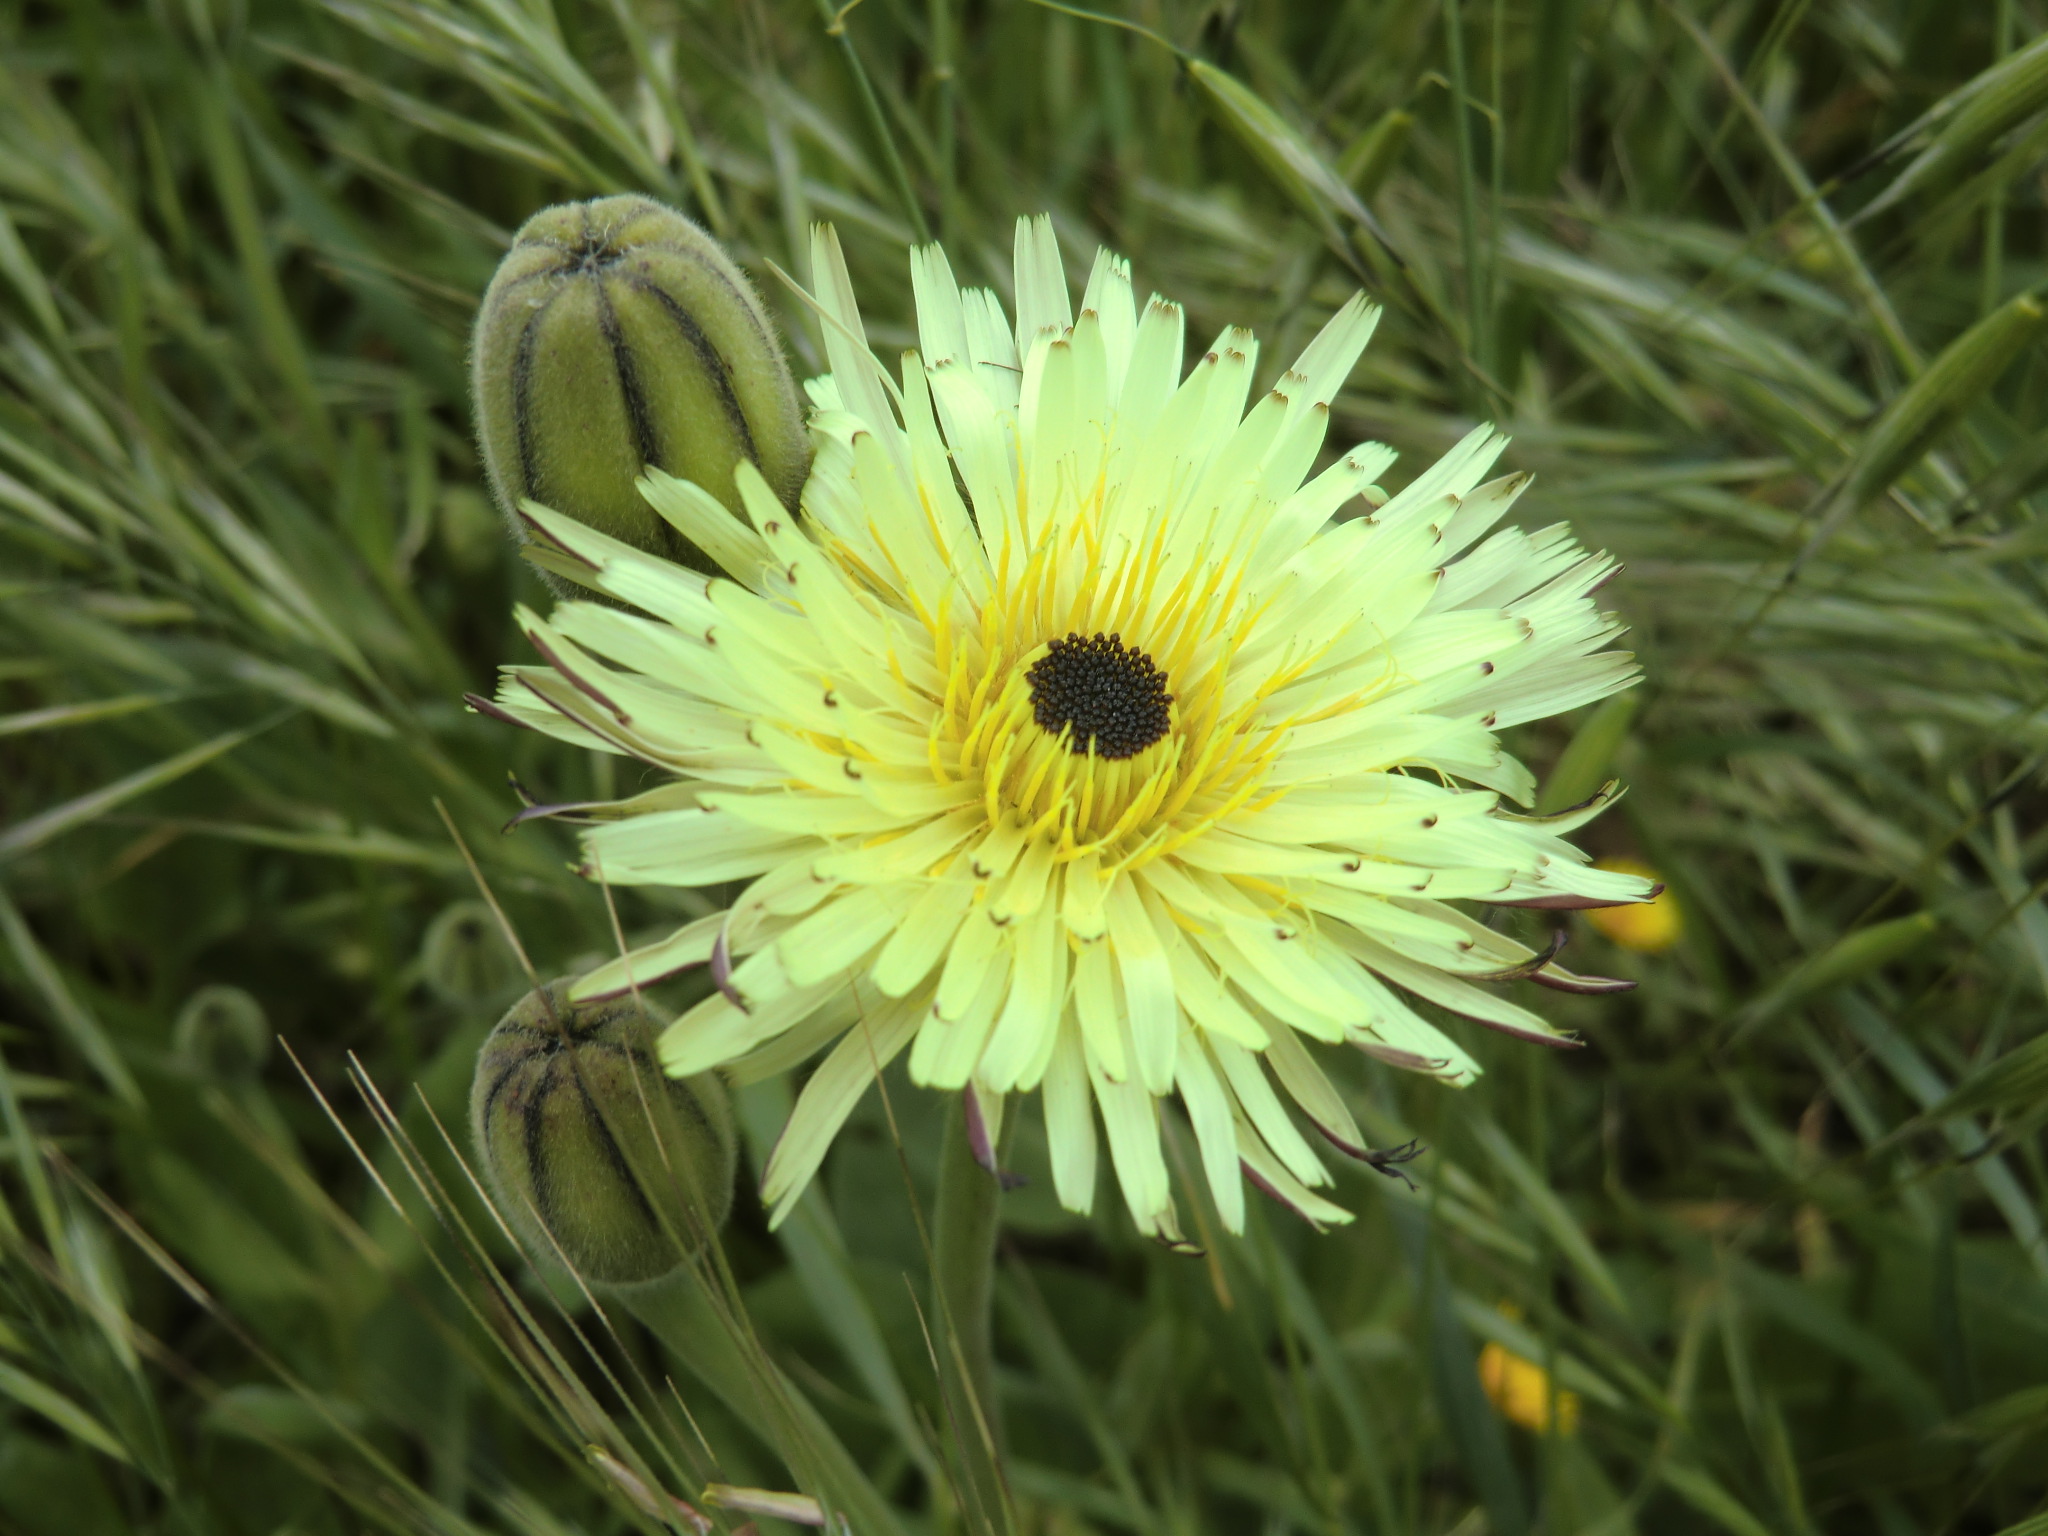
1520,1392
1649,926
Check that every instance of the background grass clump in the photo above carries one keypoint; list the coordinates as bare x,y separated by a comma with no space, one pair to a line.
1753,284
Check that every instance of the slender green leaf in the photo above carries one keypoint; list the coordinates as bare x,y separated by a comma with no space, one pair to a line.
60,1411
85,1031
1967,121
1849,959
53,717
39,829
1541,1201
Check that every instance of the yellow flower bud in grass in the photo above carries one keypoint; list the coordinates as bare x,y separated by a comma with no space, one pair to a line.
1648,926
594,1155
1520,1391
616,337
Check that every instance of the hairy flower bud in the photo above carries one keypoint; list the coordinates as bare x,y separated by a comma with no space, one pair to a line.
464,958
222,1031
590,1149
619,336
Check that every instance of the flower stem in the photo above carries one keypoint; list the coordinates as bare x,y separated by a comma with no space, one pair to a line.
963,1275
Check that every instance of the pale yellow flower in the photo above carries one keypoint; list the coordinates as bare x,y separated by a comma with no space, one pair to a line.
1072,744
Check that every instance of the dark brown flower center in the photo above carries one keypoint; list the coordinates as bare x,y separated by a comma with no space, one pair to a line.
1110,698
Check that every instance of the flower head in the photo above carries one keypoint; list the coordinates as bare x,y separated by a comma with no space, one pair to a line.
1072,743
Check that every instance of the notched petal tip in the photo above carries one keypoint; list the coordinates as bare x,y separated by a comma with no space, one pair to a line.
548,541
1573,903
1523,969
1572,815
567,810
1558,979
1407,1061
1563,1040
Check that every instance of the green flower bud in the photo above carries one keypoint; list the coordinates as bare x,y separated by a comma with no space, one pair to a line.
223,1032
464,958
616,336
590,1148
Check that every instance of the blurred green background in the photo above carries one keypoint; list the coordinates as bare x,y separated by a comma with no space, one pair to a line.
1748,280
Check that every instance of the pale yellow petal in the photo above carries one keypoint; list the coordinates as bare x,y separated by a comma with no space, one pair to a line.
870,1044
924,936
1130,1117
1097,1006
1031,1012
1070,1122
976,950
1152,1013
840,935
1263,1108
949,1050
1278,1180
689,945
1209,1112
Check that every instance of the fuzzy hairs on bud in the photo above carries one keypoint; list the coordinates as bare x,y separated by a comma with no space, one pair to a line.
593,1154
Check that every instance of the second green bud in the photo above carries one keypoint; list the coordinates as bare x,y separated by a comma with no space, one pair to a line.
594,1155
617,336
